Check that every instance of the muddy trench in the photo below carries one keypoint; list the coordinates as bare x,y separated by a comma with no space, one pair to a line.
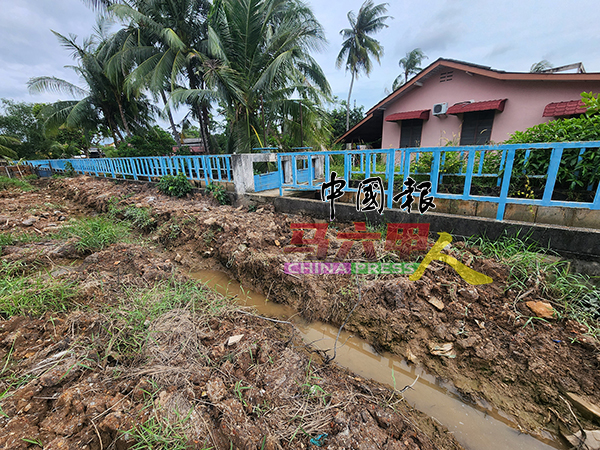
498,364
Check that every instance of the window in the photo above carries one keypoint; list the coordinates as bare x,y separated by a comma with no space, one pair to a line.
410,134
477,127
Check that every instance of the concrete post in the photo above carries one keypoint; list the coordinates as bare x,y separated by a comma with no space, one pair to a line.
286,165
319,165
243,173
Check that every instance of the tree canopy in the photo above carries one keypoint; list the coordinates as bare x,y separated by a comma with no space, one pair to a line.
359,46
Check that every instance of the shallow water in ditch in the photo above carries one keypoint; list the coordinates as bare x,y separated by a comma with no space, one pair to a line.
475,427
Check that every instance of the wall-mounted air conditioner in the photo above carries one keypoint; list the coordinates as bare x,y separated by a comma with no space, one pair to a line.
439,109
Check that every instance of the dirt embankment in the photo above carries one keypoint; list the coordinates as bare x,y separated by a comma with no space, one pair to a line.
137,354
519,365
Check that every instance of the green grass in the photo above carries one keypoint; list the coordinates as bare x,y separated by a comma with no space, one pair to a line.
130,319
140,218
7,239
32,294
157,432
15,183
530,266
96,233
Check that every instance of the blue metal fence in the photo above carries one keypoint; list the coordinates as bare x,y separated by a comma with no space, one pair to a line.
454,172
206,167
500,163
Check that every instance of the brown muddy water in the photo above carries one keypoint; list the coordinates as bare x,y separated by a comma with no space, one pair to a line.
476,427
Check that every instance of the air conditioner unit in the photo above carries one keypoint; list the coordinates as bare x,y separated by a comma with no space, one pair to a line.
439,109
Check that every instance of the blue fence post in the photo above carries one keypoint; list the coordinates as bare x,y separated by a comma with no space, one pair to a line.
481,159
555,158
469,174
596,203
294,171
434,176
407,165
134,168
390,168
505,184
207,168
218,159
281,178
502,162
228,167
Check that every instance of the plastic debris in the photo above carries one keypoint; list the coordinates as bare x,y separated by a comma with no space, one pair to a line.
319,440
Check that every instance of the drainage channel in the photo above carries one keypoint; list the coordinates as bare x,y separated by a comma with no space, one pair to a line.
476,428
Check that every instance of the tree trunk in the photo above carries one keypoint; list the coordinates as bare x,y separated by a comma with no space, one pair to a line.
122,114
195,84
176,134
348,103
204,124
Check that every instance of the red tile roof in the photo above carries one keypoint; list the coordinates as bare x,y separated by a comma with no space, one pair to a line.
422,114
560,109
477,106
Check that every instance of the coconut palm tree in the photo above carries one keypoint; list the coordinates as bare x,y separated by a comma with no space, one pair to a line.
6,152
102,102
540,66
257,57
410,65
160,48
358,46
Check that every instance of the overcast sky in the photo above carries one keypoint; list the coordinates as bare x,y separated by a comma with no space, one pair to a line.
504,34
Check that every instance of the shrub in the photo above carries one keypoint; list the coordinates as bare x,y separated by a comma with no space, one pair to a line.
156,142
574,173
219,193
175,186
69,170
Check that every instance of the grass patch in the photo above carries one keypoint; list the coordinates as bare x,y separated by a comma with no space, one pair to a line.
7,239
157,432
96,233
15,183
534,268
32,295
140,218
130,320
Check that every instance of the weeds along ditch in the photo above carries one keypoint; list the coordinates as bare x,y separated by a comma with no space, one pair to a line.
152,348
104,343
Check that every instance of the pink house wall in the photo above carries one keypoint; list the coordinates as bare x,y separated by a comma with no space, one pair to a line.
523,109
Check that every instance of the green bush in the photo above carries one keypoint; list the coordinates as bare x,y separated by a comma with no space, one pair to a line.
69,170
218,192
175,186
156,142
573,173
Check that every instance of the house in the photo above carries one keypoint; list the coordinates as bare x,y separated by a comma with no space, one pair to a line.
459,103
195,145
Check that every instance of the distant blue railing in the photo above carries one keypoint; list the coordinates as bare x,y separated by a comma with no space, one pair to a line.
206,167
396,165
